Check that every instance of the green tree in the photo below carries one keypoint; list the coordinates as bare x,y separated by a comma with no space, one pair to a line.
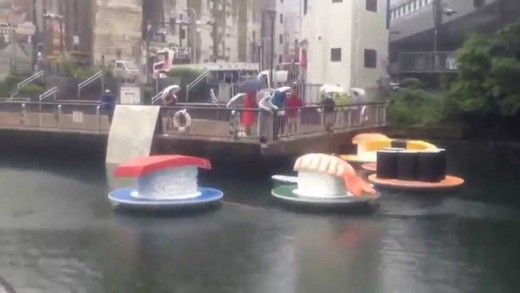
489,74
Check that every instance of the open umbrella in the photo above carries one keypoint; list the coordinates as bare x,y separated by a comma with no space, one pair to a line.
172,89
236,101
284,89
252,84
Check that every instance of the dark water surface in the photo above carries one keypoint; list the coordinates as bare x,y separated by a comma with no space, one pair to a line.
58,233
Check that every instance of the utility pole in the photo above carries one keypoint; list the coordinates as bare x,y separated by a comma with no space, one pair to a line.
147,48
272,17
14,51
437,22
215,31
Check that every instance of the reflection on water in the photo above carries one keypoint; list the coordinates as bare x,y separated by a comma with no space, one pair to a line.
58,233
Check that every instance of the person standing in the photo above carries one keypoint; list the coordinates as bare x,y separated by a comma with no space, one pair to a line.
278,100
249,116
329,115
294,103
170,100
108,105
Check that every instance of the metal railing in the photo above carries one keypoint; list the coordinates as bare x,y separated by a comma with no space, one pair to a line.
208,121
50,92
157,97
427,62
98,75
195,83
30,79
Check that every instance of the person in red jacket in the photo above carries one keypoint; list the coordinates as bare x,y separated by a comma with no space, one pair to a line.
293,104
249,117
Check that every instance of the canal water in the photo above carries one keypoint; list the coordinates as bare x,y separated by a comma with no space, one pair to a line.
58,233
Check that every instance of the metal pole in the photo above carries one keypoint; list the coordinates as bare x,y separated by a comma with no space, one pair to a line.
214,32
13,48
147,44
437,21
272,15
194,34
62,44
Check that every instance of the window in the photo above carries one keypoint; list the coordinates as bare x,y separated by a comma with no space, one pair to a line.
337,1
370,58
281,39
371,5
335,55
305,6
280,59
281,18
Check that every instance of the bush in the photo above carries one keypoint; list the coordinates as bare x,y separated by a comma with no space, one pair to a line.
412,83
416,107
185,75
31,90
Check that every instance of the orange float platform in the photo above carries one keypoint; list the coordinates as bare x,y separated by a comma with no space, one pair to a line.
450,182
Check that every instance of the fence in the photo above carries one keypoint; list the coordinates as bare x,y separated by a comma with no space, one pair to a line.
207,120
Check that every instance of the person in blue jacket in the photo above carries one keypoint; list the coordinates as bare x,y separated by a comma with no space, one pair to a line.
108,104
279,99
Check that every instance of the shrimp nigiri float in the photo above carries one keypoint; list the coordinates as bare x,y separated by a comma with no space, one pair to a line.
164,181
324,179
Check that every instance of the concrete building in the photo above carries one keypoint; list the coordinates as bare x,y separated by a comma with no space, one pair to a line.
345,42
287,27
226,30
423,42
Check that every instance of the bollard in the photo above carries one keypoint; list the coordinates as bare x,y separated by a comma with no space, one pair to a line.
98,118
59,111
22,114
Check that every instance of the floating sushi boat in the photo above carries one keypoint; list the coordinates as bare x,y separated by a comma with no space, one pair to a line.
404,169
323,181
166,181
369,143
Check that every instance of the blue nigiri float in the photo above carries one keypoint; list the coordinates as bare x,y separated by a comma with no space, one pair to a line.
324,180
166,181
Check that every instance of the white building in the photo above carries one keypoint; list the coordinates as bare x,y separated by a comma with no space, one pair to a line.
345,42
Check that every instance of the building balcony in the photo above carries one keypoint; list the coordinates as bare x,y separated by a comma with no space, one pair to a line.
427,62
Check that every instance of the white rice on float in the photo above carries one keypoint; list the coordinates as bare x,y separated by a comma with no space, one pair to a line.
365,155
320,185
169,184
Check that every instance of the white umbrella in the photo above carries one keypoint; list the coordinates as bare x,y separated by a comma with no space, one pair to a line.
236,98
172,89
331,88
284,89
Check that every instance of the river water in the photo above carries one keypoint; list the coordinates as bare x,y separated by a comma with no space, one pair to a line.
58,233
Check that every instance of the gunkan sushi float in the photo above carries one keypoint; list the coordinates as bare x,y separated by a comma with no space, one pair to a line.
418,170
324,180
165,181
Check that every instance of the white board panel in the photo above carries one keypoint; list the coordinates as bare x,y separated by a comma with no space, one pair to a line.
131,133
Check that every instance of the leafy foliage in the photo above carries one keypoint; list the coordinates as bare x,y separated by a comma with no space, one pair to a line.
31,90
488,80
416,107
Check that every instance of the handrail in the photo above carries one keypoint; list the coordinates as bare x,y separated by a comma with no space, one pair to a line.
28,80
50,92
98,75
195,82
157,97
